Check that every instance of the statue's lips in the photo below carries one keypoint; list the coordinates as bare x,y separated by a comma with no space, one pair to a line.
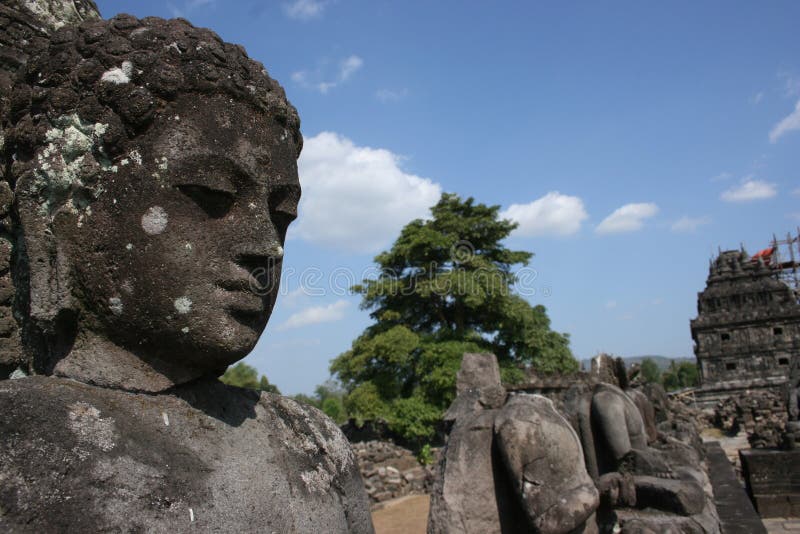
241,296
243,284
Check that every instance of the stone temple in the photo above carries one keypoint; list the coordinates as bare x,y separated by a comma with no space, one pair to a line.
747,331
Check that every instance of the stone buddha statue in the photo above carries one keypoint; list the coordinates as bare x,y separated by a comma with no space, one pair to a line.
153,174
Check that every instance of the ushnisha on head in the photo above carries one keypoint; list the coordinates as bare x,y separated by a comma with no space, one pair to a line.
154,173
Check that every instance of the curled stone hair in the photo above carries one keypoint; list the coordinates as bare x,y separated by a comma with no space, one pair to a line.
75,109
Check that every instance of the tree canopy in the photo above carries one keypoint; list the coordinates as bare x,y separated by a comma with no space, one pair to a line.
445,287
650,371
328,397
680,374
245,376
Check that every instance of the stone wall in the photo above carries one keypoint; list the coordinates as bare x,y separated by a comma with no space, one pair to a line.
390,471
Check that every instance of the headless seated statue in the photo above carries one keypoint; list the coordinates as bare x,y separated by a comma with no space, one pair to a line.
668,483
153,170
510,464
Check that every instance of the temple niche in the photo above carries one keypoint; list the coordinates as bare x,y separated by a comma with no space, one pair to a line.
747,332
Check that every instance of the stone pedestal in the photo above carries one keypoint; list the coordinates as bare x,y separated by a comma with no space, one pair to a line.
773,481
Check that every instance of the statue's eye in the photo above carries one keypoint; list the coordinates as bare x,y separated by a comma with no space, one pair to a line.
215,203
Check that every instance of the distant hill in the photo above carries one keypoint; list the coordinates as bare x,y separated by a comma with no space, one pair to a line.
661,361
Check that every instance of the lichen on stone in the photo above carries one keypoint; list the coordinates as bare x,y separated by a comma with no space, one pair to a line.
155,220
67,171
183,305
118,75
58,14
115,305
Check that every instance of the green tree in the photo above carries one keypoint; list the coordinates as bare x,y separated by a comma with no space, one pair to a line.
328,397
650,371
445,287
245,376
680,375
688,375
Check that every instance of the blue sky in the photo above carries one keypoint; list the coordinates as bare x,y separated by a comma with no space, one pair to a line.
629,139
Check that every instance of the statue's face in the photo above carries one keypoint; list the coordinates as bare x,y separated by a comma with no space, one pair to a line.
180,255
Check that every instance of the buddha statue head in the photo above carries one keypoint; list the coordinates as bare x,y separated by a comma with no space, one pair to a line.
154,176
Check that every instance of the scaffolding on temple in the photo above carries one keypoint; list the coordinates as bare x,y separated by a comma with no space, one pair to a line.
785,260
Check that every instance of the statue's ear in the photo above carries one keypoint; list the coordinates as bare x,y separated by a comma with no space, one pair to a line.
43,249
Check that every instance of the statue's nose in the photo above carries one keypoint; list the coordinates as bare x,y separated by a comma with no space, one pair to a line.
258,242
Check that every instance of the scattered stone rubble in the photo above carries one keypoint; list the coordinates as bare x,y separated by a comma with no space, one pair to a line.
390,471
762,415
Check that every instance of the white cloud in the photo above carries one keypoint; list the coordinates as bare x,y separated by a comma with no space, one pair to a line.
721,177
789,123
391,95
316,79
357,198
349,66
689,224
304,9
611,304
628,218
758,97
315,315
791,84
749,190
796,192
552,214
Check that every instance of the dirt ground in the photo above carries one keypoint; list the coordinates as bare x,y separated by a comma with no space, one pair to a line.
406,515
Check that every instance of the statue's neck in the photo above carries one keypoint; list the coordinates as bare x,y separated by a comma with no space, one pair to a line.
96,360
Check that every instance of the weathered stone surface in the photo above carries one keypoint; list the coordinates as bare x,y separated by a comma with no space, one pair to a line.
615,428
472,492
154,172
54,14
142,236
658,398
736,512
647,411
211,457
477,371
544,459
617,490
747,330
513,468
677,496
773,481
643,485
475,399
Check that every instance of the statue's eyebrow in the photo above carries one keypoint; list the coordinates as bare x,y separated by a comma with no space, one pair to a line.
194,162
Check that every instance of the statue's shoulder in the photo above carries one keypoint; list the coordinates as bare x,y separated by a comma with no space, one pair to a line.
74,455
32,401
316,448
308,432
